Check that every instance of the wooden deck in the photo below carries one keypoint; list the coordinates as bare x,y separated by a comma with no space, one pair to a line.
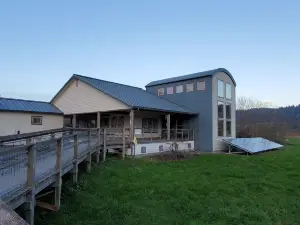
27,167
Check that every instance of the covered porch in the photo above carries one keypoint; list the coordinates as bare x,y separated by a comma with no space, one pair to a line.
142,126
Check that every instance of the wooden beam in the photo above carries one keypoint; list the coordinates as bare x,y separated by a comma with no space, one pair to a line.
98,119
131,115
75,163
168,127
74,121
99,144
58,180
89,157
124,144
104,145
47,206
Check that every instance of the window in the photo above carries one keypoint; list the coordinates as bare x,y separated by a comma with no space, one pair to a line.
170,90
104,121
150,125
220,119
220,110
201,85
221,88
160,91
228,91
228,128
179,88
190,87
228,120
228,111
36,120
221,128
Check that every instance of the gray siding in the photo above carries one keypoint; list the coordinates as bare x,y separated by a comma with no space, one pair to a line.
198,101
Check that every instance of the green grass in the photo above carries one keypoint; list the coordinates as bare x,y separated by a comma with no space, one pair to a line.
209,189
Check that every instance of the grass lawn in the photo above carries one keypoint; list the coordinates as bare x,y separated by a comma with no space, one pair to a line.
208,189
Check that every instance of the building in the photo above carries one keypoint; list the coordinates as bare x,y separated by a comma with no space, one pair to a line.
211,94
23,116
189,109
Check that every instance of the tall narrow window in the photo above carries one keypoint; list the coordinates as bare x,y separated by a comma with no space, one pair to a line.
220,119
228,91
179,88
228,120
220,88
170,90
160,91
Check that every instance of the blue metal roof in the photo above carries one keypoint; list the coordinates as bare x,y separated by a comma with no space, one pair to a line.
19,105
191,76
132,96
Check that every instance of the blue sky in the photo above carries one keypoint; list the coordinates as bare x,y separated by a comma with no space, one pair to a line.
42,43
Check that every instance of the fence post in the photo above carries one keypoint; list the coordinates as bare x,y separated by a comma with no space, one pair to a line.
104,145
58,181
75,163
98,145
89,156
124,146
30,198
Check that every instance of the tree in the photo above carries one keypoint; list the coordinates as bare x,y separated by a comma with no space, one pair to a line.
246,103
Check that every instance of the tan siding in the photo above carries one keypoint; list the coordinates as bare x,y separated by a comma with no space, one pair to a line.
218,144
11,122
82,98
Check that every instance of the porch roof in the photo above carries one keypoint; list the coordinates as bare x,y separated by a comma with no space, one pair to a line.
134,97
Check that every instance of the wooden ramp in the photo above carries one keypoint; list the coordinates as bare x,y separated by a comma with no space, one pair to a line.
30,163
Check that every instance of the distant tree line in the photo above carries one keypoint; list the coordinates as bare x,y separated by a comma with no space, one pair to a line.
257,118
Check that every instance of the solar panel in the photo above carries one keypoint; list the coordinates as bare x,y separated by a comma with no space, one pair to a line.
252,145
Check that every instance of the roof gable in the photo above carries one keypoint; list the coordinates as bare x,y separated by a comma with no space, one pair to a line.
191,76
20,105
132,96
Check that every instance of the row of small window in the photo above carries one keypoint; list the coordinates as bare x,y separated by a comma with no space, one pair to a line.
224,121
180,88
224,88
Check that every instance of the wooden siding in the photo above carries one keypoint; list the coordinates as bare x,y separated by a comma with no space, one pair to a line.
79,97
11,122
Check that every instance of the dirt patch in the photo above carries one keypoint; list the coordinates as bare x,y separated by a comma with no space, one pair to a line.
174,155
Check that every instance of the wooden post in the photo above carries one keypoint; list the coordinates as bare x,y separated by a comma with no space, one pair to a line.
75,163
124,144
89,156
99,144
168,127
131,125
30,198
181,134
74,121
58,182
104,145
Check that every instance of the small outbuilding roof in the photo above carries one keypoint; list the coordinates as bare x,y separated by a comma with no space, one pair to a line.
191,76
20,105
134,97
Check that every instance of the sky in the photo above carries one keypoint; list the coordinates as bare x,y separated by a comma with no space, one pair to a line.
42,43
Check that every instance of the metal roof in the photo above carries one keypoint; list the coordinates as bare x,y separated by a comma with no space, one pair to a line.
132,96
191,76
19,105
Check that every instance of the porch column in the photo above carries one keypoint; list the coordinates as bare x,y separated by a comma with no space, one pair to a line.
168,127
74,121
131,125
98,119
99,138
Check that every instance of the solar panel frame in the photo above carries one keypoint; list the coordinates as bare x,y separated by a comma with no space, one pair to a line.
258,139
